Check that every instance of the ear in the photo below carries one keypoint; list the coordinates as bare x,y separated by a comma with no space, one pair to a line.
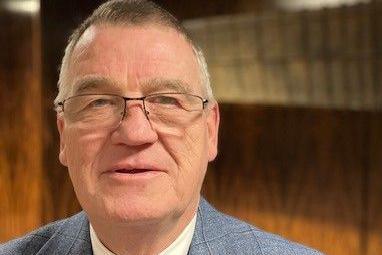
61,127
213,120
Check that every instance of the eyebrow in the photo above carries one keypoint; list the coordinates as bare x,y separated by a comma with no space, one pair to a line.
164,85
148,87
91,83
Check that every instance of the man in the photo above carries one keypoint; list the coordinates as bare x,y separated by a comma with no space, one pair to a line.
138,125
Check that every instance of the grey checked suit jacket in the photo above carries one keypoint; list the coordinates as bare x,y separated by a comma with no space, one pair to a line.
215,233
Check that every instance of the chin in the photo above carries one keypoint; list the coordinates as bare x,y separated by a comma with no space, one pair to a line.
136,210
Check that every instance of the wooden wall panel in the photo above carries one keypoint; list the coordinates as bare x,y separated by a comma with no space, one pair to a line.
185,9
373,204
20,124
309,174
319,58
59,18
300,173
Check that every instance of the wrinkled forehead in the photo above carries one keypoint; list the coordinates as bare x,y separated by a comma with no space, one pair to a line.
135,56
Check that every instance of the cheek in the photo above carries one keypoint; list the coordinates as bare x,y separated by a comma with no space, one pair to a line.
189,149
82,150
195,148
193,163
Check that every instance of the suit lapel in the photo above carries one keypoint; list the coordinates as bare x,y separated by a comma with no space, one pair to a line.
199,244
72,238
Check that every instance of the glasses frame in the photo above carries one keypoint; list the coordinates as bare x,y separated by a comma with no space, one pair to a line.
60,105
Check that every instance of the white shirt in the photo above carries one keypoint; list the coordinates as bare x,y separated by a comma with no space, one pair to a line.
179,247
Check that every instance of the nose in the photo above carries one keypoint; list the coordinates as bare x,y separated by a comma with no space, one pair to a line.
135,128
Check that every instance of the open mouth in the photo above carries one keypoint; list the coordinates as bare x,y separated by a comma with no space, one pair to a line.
132,171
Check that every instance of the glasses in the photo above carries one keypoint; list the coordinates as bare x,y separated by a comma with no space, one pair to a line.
108,110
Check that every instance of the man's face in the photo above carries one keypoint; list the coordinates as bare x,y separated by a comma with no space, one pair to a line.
170,162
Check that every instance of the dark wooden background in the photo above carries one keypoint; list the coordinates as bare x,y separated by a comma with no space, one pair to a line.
312,175
21,131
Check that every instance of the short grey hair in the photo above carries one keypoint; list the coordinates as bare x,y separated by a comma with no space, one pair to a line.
129,12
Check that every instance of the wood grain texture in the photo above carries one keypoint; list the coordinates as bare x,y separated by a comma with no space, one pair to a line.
374,190
20,125
373,229
311,175
59,18
298,172
317,58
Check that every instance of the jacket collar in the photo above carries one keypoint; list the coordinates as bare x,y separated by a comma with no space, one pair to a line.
73,236
208,226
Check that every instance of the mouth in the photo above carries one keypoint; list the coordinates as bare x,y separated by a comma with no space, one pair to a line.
133,174
129,172
132,171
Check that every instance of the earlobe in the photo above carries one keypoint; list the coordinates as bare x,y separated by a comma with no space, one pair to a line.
61,127
213,120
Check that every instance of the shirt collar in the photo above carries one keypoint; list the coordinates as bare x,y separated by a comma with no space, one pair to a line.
179,247
98,247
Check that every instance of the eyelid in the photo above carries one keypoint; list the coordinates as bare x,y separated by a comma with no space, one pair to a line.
95,94
166,93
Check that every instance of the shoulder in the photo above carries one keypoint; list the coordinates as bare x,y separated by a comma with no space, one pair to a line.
53,233
217,233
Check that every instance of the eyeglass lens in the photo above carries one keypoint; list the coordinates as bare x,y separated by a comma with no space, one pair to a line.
107,111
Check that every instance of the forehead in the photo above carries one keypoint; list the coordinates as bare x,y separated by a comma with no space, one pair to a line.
130,56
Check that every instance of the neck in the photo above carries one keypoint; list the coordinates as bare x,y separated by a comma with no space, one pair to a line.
142,238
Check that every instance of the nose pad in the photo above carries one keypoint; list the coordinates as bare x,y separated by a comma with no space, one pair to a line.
125,113
134,129
147,113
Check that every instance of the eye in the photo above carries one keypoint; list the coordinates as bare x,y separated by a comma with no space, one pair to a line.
164,100
100,102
